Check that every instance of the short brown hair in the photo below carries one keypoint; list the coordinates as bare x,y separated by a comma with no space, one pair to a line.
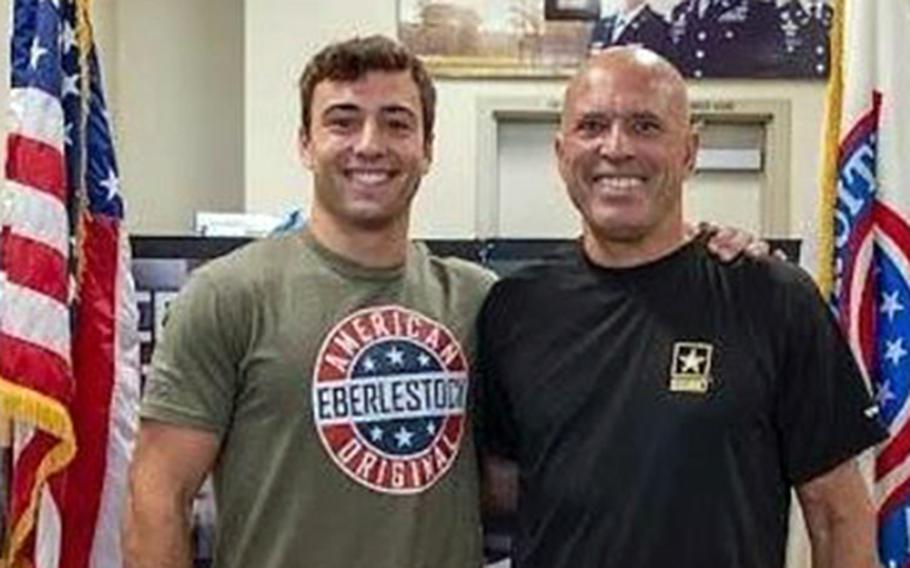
352,59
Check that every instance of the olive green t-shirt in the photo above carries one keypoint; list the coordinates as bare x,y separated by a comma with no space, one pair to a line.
338,394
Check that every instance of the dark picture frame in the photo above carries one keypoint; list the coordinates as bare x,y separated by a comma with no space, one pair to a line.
571,10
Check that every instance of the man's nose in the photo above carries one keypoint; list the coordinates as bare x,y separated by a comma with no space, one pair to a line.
614,144
370,141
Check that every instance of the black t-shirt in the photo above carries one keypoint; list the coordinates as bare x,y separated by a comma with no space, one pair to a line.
660,414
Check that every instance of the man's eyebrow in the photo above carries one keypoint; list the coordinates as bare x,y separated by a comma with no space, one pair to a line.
633,115
395,109
352,108
645,115
341,107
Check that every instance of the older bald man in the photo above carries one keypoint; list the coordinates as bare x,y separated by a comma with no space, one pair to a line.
660,404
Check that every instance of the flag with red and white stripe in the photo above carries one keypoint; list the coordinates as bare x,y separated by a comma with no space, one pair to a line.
69,378
864,242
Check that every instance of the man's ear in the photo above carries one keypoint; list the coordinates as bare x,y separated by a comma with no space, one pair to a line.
303,147
557,150
692,144
428,147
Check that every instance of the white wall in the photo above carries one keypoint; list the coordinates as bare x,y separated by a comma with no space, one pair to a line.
179,94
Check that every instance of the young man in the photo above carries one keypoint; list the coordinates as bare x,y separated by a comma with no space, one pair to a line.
322,376
660,404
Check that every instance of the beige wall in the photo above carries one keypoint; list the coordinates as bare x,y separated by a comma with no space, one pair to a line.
281,34
173,71
203,94
177,71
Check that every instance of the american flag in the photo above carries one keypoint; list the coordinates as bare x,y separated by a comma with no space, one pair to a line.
68,334
864,244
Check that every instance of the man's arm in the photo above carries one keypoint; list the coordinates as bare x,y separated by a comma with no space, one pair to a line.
169,465
840,518
498,485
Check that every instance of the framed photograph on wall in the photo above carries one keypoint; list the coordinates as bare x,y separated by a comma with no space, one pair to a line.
494,38
724,38
571,9
538,38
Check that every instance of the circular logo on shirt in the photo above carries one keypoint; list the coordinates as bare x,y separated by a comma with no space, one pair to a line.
390,389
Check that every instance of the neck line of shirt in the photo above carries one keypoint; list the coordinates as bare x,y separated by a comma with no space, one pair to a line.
350,269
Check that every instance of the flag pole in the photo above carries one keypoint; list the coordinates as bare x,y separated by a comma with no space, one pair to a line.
6,443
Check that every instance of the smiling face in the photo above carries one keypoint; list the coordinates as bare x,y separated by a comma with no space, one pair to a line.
625,147
367,149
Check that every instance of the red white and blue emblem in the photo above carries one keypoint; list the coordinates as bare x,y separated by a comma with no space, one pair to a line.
390,391
865,253
871,298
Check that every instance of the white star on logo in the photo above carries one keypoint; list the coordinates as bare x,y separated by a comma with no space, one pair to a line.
431,428
424,360
111,184
71,85
36,53
691,361
369,365
395,356
891,304
894,350
403,437
376,433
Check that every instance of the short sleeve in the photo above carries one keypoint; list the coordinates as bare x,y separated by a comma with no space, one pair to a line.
195,364
495,426
824,412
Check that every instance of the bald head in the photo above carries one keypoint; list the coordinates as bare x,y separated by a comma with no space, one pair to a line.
631,61
624,149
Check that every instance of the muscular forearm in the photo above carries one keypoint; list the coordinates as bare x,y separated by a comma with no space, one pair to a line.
157,533
843,545
840,518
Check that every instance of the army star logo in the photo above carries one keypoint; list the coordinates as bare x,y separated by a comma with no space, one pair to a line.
690,369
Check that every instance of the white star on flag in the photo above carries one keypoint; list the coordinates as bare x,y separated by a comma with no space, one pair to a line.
894,350
891,304
71,85
111,184
36,53
884,393
69,37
